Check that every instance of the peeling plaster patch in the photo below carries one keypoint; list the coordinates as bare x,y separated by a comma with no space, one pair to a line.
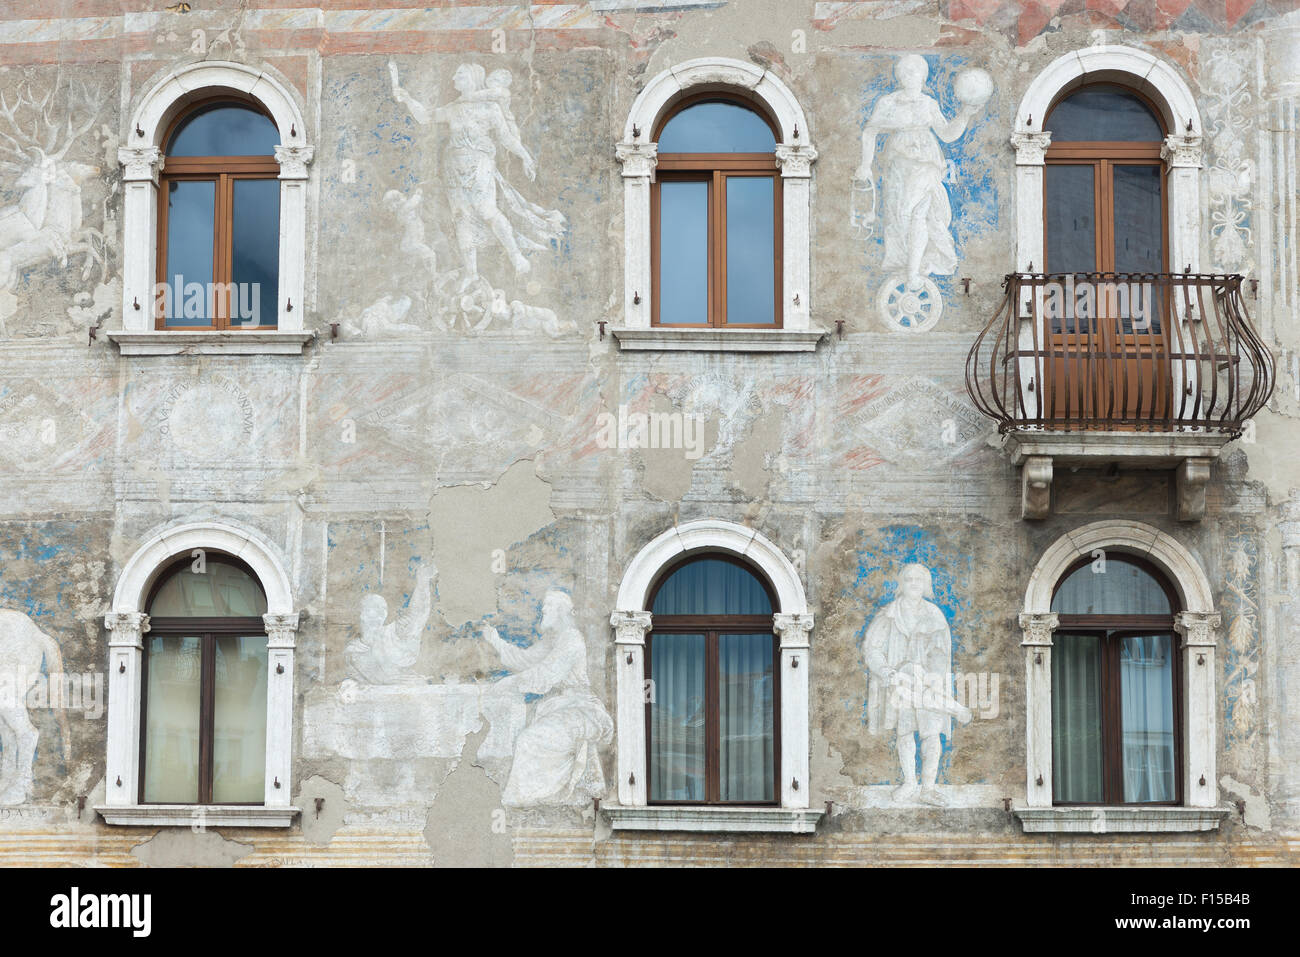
319,828
826,767
668,470
182,847
749,460
1256,804
467,825
474,522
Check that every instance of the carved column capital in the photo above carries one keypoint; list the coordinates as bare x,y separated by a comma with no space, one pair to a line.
281,630
630,627
1031,148
1197,628
140,163
792,629
1038,629
294,161
638,159
795,162
126,628
1182,150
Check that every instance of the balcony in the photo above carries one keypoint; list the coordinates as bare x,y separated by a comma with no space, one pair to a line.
1119,370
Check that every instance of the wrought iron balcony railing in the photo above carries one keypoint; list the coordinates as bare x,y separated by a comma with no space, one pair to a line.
1155,352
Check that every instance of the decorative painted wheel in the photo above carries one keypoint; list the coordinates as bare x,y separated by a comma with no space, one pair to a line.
910,310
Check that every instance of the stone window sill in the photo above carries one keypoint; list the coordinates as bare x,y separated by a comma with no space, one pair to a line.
1129,449
1119,820
661,339
186,815
775,820
175,342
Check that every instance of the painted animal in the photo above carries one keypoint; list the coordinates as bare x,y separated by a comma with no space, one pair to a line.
27,655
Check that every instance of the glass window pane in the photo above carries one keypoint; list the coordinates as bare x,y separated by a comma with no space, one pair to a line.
1114,588
225,129
1139,222
255,253
712,586
1071,219
677,718
1103,113
716,126
1146,681
220,589
171,736
684,252
751,250
1076,719
191,208
239,721
746,738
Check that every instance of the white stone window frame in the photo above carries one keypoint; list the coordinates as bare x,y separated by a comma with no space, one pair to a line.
1195,622
143,158
127,624
792,623
795,155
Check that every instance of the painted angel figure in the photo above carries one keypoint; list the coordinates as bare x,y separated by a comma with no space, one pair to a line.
385,652
914,203
908,652
484,205
556,759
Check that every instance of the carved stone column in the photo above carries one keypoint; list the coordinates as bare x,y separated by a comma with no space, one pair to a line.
293,161
630,629
281,639
1200,745
1037,642
795,162
639,160
796,660
140,168
125,651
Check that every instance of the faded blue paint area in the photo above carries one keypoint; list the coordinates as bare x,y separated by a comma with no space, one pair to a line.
1241,613
971,181
880,559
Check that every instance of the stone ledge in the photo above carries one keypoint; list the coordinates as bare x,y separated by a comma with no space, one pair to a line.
660,338
1119,819
175,342
186,815
776,820
1157,450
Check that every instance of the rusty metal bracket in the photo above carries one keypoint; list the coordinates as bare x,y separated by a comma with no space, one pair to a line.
602,323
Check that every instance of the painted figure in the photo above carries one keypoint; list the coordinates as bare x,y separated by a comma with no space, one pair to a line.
385,652
557,759
908,652
477,123
27,655
913,200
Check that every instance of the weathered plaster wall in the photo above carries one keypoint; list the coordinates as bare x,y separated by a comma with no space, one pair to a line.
444,453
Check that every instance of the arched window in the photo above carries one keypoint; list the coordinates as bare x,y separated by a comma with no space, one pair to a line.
716,216
1116,711
219,219
1105,195
204,679
712,716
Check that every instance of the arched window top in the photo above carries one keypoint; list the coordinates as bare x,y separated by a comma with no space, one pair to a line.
1104,112
223,127
222,587
711,585
1117,587
716,124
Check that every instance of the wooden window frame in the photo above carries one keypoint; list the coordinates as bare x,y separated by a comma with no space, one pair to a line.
1112,629
223,171
711,626
207,630
715,169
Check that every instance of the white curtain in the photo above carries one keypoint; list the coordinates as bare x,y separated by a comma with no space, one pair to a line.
1076,719
1146,696
677,718
745,717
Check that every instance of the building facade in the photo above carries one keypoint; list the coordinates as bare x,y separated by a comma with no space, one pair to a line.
621,432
